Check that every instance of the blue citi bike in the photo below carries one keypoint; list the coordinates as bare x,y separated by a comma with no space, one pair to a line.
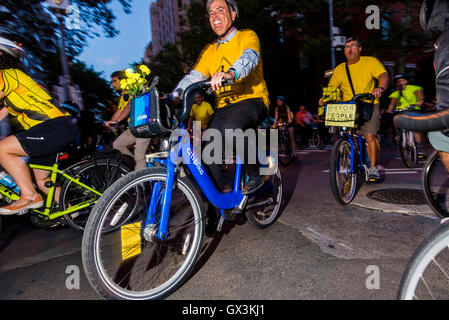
154,253
349,157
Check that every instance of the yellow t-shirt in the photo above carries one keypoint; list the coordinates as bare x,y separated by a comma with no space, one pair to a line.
26,100
283,114
219,59
202,113
123,101
407,97
363,75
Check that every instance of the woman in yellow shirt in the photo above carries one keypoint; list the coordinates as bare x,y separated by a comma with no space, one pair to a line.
46,129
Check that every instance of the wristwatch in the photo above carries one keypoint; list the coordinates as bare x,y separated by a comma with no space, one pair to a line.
383,89
235,72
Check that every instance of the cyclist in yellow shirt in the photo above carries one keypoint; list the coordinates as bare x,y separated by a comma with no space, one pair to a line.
236,55
126,138
46,129
408,97
283,114
364,71
201,111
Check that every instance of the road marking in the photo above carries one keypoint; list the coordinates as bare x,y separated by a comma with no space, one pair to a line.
318,234
328,242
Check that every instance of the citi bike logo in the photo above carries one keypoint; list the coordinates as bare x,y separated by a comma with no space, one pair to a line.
142,117
250,146
195,160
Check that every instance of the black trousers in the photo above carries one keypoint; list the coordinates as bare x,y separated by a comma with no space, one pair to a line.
246,114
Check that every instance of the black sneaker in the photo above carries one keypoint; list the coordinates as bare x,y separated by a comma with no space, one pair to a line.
254,184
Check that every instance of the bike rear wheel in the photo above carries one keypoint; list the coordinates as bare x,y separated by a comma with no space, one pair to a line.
263,208
131,263
284,149
435,184
97,174
315,139
407,149
343,181
427,273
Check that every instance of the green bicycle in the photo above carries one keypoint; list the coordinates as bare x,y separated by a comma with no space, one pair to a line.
81,185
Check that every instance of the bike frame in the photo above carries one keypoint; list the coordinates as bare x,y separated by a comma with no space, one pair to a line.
363,159
183,151
47,212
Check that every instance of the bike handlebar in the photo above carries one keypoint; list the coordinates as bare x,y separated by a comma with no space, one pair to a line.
363,96
356,98
414,121
186,106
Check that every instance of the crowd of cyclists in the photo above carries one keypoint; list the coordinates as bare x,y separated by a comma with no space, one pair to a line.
244,104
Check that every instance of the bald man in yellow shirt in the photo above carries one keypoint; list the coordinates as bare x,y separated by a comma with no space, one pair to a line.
365,71
201,111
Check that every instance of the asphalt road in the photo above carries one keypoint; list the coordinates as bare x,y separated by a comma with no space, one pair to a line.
317,250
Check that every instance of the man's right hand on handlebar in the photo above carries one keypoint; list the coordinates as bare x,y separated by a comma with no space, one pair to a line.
216,81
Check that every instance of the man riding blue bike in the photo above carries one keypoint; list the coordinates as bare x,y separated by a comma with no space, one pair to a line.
235,55
360,75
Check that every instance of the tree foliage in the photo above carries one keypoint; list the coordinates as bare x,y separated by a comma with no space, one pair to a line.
29,22
168,67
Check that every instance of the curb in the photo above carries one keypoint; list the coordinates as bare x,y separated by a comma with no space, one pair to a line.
362,200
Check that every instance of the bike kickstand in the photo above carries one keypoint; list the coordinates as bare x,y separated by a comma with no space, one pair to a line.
220,224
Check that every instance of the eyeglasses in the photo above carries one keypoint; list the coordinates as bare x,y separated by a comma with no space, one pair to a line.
352,46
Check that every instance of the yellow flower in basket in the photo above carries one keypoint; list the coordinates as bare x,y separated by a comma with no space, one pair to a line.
144,69
135,81
331,94
320,111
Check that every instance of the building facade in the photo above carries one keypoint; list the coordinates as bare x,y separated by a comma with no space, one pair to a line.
168,18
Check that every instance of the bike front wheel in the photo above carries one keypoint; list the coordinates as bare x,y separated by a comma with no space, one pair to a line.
263,209
407,149
435,184
131,263
426,276
343,180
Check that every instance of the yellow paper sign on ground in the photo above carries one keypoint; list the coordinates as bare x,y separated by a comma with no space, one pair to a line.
341,115
130,234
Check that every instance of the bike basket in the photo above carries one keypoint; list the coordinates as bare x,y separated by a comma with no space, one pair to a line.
364,111
149,118
341,115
